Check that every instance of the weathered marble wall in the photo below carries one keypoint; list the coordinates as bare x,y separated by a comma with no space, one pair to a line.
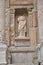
40,18
25,58
7,26
40,24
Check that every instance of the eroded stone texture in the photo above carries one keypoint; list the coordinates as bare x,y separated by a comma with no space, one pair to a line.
33,35
3,47
20,2
22,58
2,19
40,18
40,27
20,45
3,55
7,26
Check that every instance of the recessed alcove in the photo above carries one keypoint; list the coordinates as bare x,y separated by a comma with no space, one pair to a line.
22,14
21,11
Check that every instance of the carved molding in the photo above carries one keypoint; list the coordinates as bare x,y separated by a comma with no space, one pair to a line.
21,2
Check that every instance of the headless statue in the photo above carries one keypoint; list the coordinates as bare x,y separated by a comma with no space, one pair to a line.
22,26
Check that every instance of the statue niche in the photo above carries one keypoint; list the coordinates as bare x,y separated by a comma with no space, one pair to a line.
21,23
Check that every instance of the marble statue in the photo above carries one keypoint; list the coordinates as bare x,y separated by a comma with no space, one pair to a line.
22,26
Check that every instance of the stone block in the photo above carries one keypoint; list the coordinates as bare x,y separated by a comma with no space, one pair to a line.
22,58
33,35
3,49
22,2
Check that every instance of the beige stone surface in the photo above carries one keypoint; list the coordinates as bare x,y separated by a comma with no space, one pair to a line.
40,18
13,2
33,35
30,18
40,25
7,3
22,49
35,19
7,26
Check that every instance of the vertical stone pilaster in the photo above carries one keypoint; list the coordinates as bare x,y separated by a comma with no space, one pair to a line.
33,35
12,27
30,18
2,20
35,23
3,47
35,32
34,11
35,20
7,26
32,30
29,22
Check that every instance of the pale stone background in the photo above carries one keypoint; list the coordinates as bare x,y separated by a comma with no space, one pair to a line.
28,57
22,58
40,18
40,24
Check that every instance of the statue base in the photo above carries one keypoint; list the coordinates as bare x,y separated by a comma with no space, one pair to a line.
22,38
